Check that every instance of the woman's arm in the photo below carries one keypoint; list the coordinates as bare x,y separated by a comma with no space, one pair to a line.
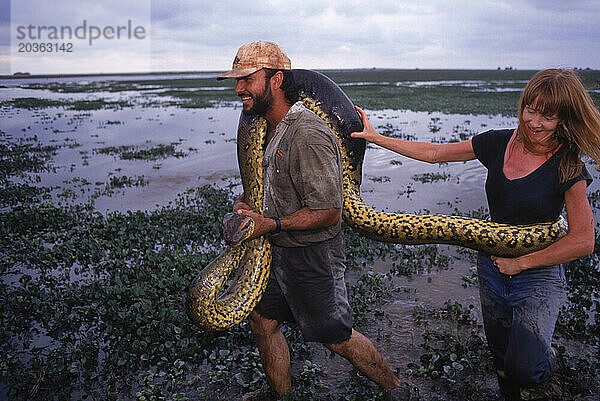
577,243
424,151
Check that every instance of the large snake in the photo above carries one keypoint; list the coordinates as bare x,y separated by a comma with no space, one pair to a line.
210,309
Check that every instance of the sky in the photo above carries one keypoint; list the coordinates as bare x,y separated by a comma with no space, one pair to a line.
204,35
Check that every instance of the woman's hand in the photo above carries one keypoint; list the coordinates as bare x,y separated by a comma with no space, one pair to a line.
368,133
509,266
578,242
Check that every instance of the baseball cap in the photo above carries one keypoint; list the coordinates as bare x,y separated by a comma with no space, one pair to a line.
254,56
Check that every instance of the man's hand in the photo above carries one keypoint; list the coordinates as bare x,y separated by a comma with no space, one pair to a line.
262,225
239,204
303,219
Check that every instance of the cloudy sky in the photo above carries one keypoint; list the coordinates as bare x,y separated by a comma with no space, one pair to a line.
202,35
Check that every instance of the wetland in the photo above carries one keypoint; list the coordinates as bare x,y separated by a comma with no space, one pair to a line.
112,193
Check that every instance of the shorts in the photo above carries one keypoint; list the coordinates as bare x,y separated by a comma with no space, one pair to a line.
307,287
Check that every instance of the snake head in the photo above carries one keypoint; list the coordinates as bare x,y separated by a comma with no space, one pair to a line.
237,228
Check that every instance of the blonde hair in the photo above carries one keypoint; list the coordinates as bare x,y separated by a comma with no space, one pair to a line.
560,92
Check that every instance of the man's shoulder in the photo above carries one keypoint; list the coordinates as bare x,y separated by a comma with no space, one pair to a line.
310,124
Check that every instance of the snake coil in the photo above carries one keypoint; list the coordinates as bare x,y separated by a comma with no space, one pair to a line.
211,309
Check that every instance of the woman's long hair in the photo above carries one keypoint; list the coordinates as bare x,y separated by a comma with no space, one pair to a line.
557,91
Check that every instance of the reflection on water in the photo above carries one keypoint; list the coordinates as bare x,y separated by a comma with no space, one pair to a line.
206,140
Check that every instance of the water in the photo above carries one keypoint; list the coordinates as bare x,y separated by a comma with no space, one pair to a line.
206,136
84,79
207,139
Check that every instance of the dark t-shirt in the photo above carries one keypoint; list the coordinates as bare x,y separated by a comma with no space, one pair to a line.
535,198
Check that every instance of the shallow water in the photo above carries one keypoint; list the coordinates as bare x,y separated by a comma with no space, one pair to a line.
207,139
397,334
206,136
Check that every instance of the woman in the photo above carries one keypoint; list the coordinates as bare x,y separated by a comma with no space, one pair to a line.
533,172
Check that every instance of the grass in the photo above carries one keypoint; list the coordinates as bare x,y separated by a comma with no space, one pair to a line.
32,103
92,304
127,152
124,314
431,177
381,89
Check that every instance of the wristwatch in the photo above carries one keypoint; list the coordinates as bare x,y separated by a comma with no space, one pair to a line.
278,223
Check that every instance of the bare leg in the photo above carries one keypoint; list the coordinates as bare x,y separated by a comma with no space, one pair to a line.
361,352
274,352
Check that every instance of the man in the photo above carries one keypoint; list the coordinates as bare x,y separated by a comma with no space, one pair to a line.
302,216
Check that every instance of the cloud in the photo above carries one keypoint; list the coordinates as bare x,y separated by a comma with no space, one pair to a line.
205,35
66,37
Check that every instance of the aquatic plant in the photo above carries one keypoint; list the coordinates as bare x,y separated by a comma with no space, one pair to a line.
92,303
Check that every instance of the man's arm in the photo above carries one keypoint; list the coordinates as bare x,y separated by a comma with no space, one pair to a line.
303,219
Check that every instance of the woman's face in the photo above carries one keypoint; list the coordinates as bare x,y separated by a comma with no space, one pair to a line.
541,126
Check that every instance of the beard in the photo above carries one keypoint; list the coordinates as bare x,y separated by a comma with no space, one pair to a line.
261,102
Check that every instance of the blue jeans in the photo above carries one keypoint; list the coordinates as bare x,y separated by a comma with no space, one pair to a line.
519,315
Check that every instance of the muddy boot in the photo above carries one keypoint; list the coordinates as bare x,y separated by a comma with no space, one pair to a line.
549,390
262,394
508,389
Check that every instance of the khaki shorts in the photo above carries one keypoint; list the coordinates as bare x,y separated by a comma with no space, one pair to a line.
307,287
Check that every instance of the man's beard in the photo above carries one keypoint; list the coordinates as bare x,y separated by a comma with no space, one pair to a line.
261,102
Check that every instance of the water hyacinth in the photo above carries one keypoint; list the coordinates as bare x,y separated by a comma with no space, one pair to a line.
104,224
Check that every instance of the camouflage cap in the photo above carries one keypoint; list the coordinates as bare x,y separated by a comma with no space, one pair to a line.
254,56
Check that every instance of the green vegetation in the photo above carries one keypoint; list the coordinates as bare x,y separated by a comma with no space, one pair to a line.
431,177
395,89
448,91
92,304
21,156
188,93
105,292
160,151
36,103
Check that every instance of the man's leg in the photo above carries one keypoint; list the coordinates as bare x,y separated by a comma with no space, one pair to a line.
274,352
361,352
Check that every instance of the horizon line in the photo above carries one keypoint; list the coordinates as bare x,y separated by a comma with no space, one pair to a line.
18,75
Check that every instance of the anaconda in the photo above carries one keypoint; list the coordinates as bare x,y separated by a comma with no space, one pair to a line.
207,308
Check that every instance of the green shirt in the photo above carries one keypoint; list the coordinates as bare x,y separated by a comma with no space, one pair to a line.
302,168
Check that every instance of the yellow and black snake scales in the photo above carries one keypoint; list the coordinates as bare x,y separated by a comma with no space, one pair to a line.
211,307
